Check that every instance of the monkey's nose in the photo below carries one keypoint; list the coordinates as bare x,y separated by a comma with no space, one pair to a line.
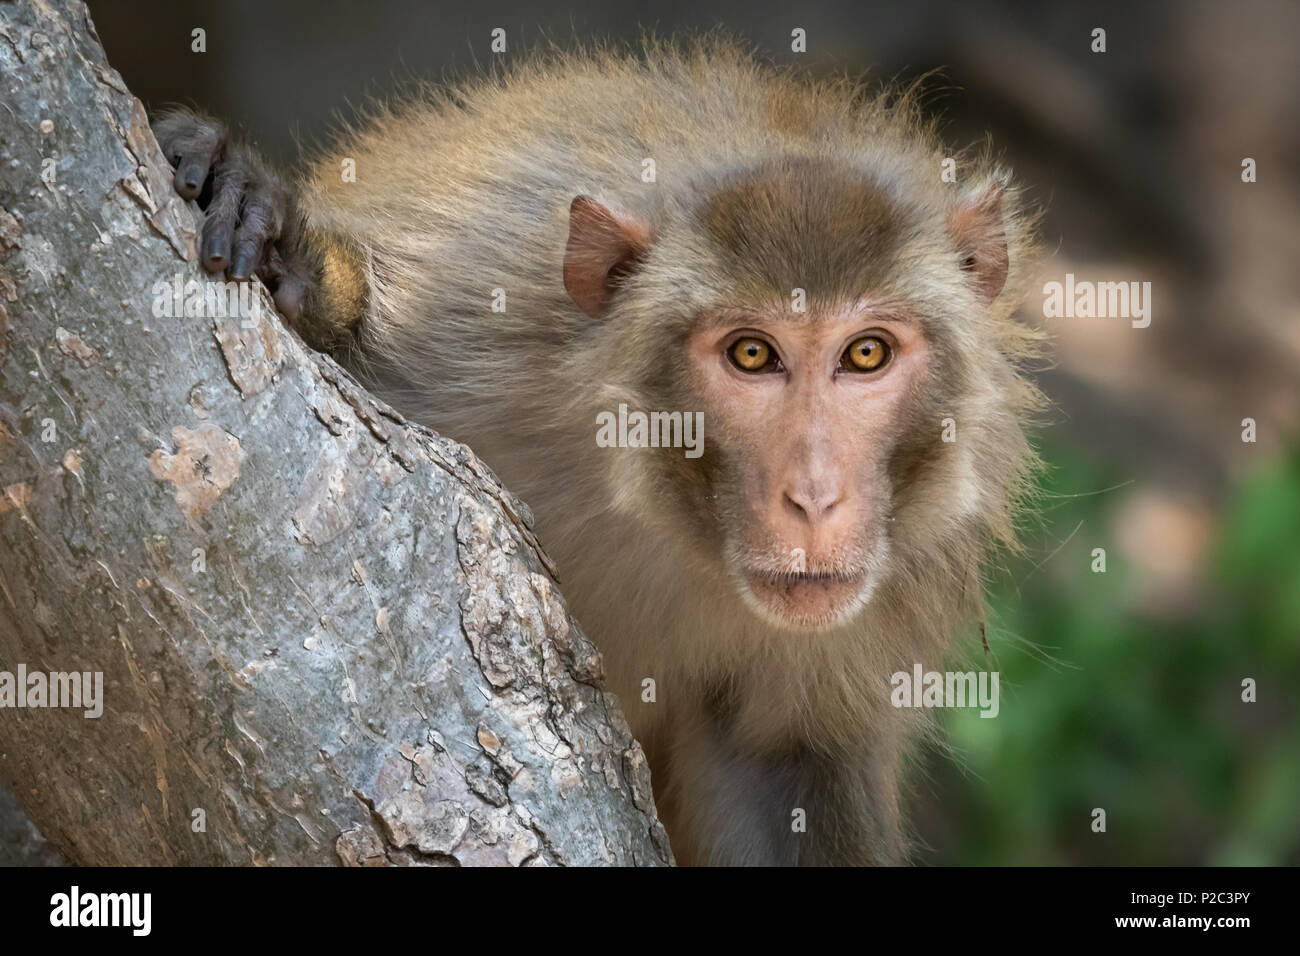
811,506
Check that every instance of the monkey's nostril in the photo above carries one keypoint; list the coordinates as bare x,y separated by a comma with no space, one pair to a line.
811,507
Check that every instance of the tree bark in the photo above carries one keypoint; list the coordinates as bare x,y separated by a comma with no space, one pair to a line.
326,635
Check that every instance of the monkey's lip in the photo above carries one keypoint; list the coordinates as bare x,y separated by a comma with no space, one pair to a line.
801,578
807,598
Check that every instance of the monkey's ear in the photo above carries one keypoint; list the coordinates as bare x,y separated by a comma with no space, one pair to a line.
976,227
604,246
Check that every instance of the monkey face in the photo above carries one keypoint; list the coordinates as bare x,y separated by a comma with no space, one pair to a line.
824,452
804,415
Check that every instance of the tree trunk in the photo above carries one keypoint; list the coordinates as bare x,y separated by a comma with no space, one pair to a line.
325,635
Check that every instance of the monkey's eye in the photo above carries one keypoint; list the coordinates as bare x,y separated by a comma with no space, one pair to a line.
753,355
865,355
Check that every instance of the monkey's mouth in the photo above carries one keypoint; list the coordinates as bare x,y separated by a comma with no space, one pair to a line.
807,599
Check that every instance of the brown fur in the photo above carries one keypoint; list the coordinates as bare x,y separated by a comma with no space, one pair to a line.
766,181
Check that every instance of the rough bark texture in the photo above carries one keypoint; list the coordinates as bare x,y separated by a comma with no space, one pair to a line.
327,629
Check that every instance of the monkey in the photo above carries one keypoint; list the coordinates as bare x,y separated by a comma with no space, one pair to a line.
681,226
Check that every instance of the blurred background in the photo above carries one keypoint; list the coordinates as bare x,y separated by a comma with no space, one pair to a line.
1120,690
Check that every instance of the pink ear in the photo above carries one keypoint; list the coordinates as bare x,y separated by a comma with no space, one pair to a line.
603,247
977,229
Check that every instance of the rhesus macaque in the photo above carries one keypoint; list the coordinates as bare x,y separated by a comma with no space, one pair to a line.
686,229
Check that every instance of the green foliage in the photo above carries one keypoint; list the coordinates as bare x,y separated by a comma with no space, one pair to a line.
1109,703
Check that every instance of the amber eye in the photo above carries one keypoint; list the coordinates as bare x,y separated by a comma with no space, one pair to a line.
865,355
751,355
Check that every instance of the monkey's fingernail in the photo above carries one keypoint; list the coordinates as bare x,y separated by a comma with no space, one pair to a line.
216,250
192,176
243,267
183,182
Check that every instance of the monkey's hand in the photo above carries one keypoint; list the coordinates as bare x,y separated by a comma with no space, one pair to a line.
249,213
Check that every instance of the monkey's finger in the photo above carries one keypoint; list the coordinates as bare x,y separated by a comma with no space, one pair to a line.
190,176
290,283
192,143
222,217
259,227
